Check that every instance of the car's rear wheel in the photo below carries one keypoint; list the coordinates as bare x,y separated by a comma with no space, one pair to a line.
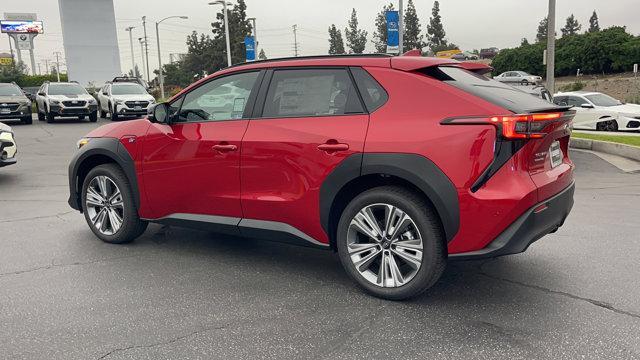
114,114
102,114
109,207
50,117
41,116
390,242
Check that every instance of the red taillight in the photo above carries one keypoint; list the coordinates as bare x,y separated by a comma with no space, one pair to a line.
520,126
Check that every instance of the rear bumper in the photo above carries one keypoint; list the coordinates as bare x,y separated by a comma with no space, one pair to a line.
528,228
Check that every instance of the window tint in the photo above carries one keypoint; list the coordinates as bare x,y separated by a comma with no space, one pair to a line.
603,100
127,89
490,90
311,92
9,90
574,101
373,94
560,100
220,99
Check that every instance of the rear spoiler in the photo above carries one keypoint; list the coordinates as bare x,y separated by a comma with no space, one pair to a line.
412,61
476,67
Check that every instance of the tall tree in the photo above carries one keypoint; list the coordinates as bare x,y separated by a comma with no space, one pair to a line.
239,27
571,27
594,25
524,41
356,38
336,44
435,30
541,36
262,55
413,38
380,35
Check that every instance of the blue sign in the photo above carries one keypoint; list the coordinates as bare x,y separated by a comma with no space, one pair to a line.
393,35
250,48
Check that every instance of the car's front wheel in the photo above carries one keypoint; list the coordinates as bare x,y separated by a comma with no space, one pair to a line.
109,207
609,125
93,117
390,242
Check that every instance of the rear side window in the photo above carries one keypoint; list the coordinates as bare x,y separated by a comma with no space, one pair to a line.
493,91
311,92
373,95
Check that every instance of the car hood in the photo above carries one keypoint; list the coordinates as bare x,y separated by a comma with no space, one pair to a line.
134,97
5,127
626,109
71,97
13,98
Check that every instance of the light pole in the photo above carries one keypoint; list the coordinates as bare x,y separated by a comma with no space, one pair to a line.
160,76
255,34
551,46
133,60
146,46
400,28
144,67
226,26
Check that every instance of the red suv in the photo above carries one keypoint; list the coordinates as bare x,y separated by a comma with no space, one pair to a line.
396,163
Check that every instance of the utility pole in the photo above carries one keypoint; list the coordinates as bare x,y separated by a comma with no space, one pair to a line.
551,46
144,67
295,39
58,65
133,60
160,75
400,28
255,35
46,66
39,69
13,59
146,46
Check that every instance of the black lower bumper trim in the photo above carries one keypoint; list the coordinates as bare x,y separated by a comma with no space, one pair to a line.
528,228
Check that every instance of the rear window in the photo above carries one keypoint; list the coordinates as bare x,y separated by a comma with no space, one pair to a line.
490,90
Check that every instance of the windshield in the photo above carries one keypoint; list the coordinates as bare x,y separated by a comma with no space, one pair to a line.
66,89
127,89
603,100
10,90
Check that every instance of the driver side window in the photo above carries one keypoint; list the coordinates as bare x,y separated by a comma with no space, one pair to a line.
220,99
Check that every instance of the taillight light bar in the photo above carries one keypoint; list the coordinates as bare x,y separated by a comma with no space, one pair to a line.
519,126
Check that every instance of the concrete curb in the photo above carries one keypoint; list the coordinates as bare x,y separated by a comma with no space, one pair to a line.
627,151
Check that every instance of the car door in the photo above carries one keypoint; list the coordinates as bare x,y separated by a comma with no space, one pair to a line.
103,98
191,168
309,121
40,98
584,118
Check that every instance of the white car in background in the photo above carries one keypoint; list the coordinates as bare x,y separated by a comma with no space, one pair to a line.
518,77
598,111
121,99
8,147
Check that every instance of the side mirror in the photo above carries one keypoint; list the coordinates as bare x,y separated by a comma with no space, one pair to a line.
41,94
104,93
159,113
586,106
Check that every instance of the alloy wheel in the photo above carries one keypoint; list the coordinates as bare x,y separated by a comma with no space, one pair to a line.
385,245
105,205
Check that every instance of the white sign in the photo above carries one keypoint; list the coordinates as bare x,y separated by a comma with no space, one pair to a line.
20,16
23,41
635,68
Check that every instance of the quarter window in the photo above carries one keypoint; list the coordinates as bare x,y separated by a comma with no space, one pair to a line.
311,92
220,99
373,95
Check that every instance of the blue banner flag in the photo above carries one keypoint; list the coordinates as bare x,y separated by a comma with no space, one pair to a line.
393,36
250,48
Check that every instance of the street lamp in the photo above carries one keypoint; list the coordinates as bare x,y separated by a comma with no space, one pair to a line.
255,33
133,60
226,26
142,42
160,76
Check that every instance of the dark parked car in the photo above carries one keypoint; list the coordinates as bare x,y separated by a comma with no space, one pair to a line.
14,104
375,157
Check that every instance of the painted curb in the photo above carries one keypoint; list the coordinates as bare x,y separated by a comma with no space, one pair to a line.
627,151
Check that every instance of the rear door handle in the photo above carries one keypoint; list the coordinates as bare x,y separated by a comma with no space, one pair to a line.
332,147
224,147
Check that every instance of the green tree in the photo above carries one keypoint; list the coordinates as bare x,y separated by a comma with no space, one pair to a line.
380,35
336,44
541,36
524,41
356,38
436,34
572,27
135,72
413,38
262,55
594,24
239,27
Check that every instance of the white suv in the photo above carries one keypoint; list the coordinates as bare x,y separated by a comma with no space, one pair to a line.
65,99
7,146
123,99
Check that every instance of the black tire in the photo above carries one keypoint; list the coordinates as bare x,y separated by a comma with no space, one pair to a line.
132,227
114,115
27,120
41,116
93,117
434,248
102,114
524,82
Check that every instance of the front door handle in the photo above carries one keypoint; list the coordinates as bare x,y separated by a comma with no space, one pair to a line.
224,147
332,147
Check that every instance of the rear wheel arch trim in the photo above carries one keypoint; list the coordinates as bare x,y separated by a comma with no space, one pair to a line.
413,168
106,147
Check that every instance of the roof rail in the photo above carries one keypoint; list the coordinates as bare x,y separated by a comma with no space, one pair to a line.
376,55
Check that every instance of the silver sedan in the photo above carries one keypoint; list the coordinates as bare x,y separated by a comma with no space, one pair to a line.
518,77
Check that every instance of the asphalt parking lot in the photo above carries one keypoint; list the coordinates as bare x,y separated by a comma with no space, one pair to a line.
177,293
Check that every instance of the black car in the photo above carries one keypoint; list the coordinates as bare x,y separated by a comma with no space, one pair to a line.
14,104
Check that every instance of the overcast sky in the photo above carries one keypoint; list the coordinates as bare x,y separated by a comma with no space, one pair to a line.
471,24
